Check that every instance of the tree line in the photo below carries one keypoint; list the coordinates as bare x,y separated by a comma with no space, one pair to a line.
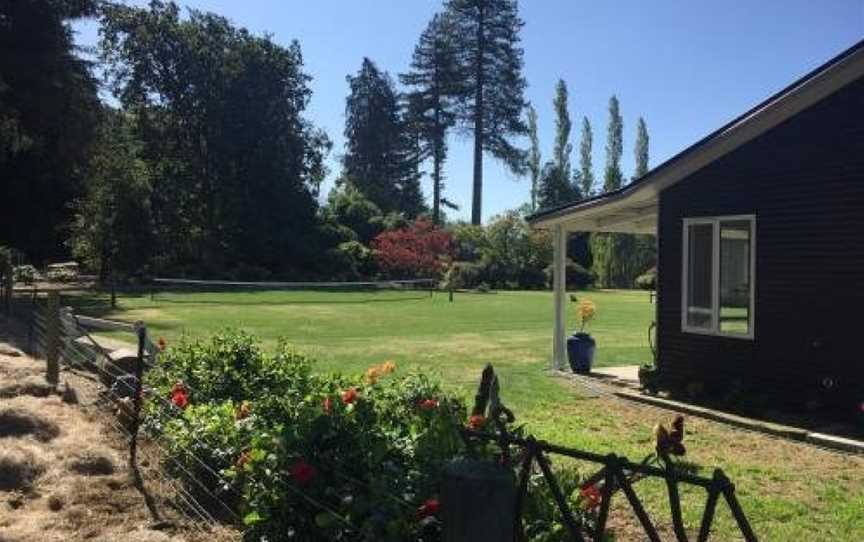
205,163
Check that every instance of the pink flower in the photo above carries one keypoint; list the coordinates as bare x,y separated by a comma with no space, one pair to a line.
428,508
327,405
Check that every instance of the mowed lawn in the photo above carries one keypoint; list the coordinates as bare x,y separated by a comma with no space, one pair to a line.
348,331
788,490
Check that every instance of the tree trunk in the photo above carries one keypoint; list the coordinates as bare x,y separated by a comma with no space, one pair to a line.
477,199
436,165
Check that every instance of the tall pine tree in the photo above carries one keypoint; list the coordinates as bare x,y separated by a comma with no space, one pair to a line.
49,110
487,34
586,171
435,81
380,156
534,167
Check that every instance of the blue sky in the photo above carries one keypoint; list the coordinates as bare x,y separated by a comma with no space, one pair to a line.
686,67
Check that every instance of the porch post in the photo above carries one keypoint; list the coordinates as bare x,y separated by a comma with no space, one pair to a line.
559,344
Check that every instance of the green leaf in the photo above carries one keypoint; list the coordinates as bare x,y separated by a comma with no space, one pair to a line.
252,518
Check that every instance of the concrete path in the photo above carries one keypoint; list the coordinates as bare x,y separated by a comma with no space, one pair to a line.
627,373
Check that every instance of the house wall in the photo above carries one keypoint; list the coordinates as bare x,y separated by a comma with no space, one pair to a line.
804,181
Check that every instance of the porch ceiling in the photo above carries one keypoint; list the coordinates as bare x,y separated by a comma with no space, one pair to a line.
634,212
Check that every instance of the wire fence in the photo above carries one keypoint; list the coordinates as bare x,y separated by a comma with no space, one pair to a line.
196,489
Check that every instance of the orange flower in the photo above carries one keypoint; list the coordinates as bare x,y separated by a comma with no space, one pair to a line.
476,422
161,343
372,374
243,411
327,405
388,367
350,395
592,495
244,458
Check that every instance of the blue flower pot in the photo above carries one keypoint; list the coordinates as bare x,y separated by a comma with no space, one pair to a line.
580,352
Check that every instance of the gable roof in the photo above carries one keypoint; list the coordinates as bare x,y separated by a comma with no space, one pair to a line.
632,208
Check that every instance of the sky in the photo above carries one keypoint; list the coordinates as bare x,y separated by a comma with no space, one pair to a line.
686,67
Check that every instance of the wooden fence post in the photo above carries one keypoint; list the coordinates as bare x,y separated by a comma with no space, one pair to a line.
477,502
8,285
52,354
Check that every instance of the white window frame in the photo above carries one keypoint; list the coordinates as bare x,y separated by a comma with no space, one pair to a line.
715,222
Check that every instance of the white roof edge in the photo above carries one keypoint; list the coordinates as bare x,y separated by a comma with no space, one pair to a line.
788,104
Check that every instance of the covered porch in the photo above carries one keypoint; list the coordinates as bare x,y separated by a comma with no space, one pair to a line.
633,209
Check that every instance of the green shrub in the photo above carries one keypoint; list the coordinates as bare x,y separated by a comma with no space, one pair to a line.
25,273
578,278
325,456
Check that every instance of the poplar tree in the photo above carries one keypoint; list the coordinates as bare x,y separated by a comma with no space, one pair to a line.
435,82
491,104
533,156
563,126
557,185
644,247
586,172
607,248
613,177
641,150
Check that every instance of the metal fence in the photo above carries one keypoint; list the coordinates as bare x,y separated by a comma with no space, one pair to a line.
616,474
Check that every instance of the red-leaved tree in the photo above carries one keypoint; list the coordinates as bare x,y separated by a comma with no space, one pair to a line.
419,250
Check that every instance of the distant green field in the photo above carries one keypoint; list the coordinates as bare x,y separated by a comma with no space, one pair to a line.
348,331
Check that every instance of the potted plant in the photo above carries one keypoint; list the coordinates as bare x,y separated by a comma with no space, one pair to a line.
580,347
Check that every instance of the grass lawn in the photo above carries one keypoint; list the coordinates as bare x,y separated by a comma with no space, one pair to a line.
349,331
788,490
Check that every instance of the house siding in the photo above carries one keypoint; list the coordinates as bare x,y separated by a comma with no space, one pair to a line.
804,181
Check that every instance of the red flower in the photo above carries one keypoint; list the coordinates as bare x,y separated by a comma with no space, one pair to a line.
161,343
302,472
328,405
476,422
350,395
179,396
428,404
428,508
592,495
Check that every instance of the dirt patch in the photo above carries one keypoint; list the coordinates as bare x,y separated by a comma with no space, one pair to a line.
34,386
17,422
19,468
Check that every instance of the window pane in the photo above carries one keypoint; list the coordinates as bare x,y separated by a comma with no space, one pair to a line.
735,283
699,268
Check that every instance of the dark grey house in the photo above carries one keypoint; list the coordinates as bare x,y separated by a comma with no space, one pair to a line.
760,232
